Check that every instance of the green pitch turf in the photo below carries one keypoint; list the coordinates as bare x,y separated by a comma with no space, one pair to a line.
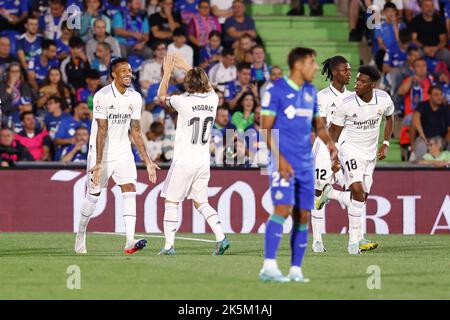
34,266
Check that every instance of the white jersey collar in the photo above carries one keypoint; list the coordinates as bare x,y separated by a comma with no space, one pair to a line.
335,91
373,101
116,92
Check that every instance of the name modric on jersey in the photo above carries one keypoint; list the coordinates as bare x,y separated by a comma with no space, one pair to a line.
203,107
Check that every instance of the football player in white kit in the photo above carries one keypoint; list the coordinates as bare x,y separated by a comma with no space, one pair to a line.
189,172
117,110
338,71
361,114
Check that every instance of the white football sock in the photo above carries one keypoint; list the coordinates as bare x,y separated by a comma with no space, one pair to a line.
87,210
270,264
317,223
129,216
361,233
354,220
212,217
170,224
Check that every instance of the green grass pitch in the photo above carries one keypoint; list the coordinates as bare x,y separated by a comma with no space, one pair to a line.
34,266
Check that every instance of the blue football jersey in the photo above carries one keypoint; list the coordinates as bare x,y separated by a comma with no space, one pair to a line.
294,109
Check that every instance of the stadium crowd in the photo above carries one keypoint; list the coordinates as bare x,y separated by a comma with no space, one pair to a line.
54,56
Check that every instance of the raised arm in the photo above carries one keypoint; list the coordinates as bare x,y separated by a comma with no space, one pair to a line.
168,65
136,134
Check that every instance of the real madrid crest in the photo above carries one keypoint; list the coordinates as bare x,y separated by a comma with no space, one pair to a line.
130,108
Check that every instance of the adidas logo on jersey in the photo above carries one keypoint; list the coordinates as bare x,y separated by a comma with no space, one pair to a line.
111,107
354,115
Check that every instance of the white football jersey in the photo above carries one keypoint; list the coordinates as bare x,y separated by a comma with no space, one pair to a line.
362,121
196,115
328,99
119,109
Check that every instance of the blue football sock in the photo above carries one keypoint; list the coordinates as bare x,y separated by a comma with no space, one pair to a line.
274,232
299,242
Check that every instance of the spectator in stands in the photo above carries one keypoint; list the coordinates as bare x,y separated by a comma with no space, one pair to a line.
225,70
65,135
100,35
398,4
430,119
93,84
397,57
168,140
92,12
180,47
13,88
132,30
12,150
62,43
436,156
75,67
257,147
413,8
235,89
55,114
210,54
219,133
386,35
430,34
187,9
50,22
5,55
14,120
79,150
29,43
164,22
103,57
151,69
260,71
414,89
153,141
202,24
275,73
244,115
243,48
222,9
39,66
397,75
37,141
238,24
53,86
12,14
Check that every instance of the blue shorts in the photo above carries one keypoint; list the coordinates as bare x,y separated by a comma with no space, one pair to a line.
298,191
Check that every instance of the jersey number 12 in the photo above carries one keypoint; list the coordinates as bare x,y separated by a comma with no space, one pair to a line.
195,133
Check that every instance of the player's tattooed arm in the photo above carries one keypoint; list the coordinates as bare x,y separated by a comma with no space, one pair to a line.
284,167
102,132
136,134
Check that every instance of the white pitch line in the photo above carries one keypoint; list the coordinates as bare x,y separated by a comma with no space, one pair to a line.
152,236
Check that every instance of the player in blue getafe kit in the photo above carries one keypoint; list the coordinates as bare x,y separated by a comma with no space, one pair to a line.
289,109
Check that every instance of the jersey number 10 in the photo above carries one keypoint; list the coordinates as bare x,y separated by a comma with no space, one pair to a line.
195,133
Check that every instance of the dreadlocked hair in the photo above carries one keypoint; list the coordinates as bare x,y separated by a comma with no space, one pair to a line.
330,64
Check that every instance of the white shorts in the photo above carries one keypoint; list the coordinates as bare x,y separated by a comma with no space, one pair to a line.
322,160
357,170
186,181
122,170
